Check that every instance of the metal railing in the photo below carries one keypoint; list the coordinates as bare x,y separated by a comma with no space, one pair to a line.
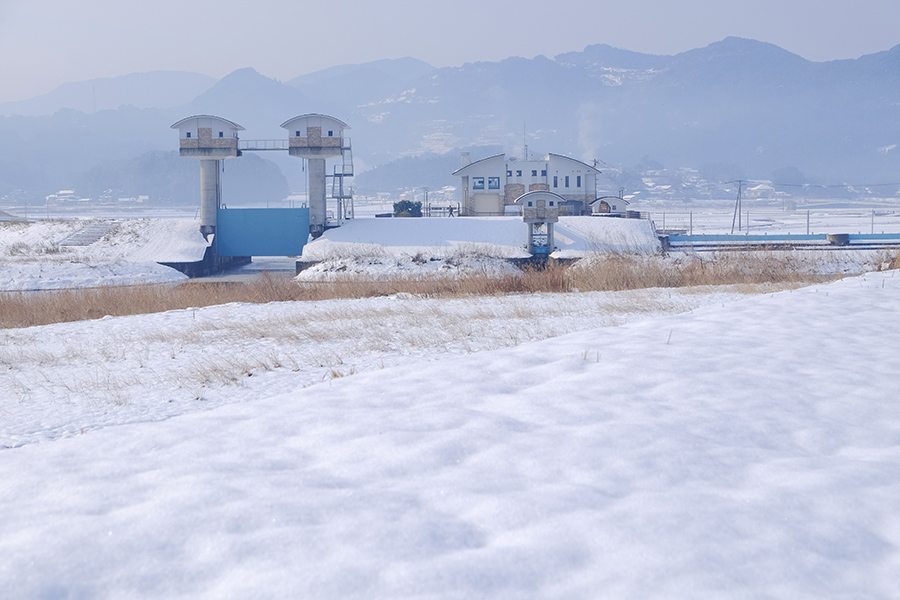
261,145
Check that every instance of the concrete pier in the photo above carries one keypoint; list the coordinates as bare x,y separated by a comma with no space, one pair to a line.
210,196
317,208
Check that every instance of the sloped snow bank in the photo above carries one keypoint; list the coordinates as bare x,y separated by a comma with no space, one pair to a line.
500,237
413,247
31,259
579,236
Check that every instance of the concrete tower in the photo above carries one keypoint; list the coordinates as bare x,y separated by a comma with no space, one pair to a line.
316,138
211,140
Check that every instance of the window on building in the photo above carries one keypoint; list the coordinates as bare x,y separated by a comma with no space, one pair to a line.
578,181
478,183
188,134
221,134
518,172
543,172
493,183
509,173
567,181
534,172
330,133
555,181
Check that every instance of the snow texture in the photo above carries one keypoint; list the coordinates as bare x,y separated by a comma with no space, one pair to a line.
31,259
743,449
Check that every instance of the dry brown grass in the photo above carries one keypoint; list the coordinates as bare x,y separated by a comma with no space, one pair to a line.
598,273
629,272
895,262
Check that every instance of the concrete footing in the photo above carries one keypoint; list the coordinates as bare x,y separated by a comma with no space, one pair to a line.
210,264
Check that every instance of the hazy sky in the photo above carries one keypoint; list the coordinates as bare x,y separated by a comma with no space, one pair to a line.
44,43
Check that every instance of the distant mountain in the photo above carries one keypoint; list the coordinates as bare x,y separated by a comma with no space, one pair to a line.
735,106
737,101
257,103
397,70
155,89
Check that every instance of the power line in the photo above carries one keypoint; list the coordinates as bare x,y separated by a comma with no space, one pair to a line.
832,185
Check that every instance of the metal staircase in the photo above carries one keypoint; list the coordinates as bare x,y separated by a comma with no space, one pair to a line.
341,185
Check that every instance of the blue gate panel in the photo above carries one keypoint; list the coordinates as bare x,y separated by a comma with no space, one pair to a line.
262,231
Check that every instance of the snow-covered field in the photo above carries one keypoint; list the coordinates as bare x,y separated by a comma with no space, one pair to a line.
691,443
746,448
880,217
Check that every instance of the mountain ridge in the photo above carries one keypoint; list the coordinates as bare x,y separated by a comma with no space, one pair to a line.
748,105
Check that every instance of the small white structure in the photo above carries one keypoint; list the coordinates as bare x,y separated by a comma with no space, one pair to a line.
490,184
210,139
207,136
317,138
540,210
609,205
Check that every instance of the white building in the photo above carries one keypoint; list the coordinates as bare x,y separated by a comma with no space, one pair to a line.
208,137
491,184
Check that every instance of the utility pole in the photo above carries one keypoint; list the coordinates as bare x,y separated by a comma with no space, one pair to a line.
525,140
737,206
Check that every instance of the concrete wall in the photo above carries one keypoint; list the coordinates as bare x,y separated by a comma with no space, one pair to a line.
206,139
487,204
512,191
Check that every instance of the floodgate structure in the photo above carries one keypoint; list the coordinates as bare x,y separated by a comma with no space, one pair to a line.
237,234
540,190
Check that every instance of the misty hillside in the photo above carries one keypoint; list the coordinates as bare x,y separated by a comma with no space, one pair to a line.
735,106
156,89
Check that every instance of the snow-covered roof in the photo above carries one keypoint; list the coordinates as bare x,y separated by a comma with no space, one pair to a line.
313,116
459,171
602,198
538,194
595,169
231,124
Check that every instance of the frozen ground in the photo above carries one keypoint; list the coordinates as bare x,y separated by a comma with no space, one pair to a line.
742,447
